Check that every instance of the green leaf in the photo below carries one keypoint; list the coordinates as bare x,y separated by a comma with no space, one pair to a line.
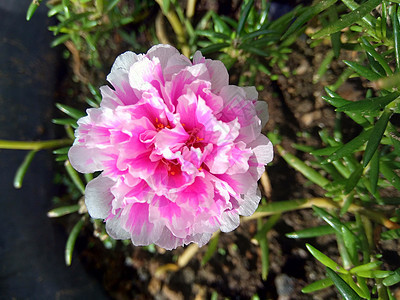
111,5
374,274
61,157
311,232
389,174
370,104
60,40
350,147
55,10
70,122
92,103
62,211
69,247
75,177
19,176
300,166
213,34
375,66
307,15
353,180
32,8
350,241
70,20
376,136
349,19
396,36
365,267
363,71
220,25
334,222
264,247
214,48
70,111
257,51
243,16
336,101
391,234
255,34
230,21
261,237
317,285
211,249
374,172
342,78
325,260
335,37
347,201
281,206
344,289
379,58
392,279
63,150
324,66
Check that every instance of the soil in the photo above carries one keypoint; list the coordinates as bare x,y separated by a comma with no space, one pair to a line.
298,112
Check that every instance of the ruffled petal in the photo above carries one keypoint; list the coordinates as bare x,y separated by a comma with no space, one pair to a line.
120,68
86,160
98,197
115,229
163,52
180,150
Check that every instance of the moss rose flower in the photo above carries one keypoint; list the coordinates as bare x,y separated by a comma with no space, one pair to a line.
180,149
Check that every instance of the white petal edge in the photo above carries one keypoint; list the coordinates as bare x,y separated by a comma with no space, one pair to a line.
229,221
83,159
250,203
262,112
98,197
251,92
115,230
121,66
163,52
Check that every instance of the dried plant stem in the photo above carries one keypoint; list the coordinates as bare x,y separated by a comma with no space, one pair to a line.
190,8
160,29
266,184
177,27
34,145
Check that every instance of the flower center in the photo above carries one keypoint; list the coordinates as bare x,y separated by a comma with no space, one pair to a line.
159,125
194,140
173,167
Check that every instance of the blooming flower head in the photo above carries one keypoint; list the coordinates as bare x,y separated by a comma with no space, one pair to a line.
180,149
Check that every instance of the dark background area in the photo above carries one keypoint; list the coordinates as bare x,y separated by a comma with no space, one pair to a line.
32,245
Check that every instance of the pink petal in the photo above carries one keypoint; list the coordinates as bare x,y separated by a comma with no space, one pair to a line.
180,150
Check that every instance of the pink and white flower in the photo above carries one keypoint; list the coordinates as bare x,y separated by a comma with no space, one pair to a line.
180,149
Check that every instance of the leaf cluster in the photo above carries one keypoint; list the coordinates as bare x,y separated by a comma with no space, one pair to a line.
355,174
90,24
253,40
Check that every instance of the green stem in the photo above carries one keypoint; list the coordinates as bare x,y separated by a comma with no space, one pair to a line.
292,205
34,145
177,27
